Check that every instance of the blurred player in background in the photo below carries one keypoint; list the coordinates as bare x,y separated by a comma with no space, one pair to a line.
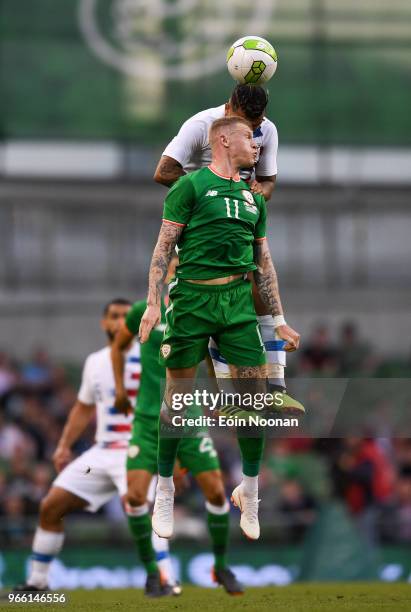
189,151
196,455
91,480
219,228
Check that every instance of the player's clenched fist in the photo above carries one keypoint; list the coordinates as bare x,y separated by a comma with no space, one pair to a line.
287,333
256,187
150,319
61,457
122,403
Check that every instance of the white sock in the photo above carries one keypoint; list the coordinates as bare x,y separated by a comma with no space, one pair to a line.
46,545
218,510
276,359
161,547
276,374
136,510
166,483
250,485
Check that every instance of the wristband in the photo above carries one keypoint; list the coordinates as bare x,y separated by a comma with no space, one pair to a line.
278,321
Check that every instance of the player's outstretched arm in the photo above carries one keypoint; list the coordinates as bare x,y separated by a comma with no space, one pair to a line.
267,284
168,171
120,344
79,417
166,243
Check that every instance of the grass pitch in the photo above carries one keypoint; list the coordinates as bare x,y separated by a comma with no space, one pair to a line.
310,597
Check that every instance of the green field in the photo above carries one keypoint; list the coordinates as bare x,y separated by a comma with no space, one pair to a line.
311,597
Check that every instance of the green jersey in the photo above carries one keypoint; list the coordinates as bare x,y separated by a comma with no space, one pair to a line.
221,220
153,375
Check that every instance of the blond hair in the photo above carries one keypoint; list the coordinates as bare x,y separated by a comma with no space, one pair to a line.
225,122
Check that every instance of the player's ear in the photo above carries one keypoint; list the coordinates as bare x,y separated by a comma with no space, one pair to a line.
224,140
103,324
227,109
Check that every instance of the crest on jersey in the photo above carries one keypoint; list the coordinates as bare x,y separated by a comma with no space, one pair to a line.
248,196
133,451
165,350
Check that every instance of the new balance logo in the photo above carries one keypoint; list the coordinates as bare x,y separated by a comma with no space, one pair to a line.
211,193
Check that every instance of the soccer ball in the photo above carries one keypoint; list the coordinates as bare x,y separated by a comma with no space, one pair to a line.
251,60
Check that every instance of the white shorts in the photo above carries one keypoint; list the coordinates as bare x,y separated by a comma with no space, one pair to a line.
96,476
274,348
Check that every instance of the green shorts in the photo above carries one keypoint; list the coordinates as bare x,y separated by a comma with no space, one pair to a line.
223,312
196,455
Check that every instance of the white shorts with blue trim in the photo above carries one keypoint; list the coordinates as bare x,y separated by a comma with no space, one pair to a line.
96,476
274,347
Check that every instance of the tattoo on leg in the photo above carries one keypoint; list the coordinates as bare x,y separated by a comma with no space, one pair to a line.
249,371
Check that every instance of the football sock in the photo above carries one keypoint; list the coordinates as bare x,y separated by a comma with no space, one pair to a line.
274,346
167,448
46,545
139,523
252,453
218,521
165,483
250,485
165,566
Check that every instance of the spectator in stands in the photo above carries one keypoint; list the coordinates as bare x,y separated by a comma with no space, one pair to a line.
297,508
14,527
402,450
41,478
354,354
37,374
402,513
319,354
3,487
8,375
11,438
364,478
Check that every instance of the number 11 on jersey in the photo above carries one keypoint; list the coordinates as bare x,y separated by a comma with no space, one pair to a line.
228,208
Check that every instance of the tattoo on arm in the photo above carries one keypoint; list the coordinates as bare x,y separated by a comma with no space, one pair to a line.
266,278
167,240
168,171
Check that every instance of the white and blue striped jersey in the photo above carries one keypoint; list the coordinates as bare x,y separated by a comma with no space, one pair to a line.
98,388
191,147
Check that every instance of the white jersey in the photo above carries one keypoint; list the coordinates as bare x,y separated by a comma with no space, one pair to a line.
191,147
98,387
